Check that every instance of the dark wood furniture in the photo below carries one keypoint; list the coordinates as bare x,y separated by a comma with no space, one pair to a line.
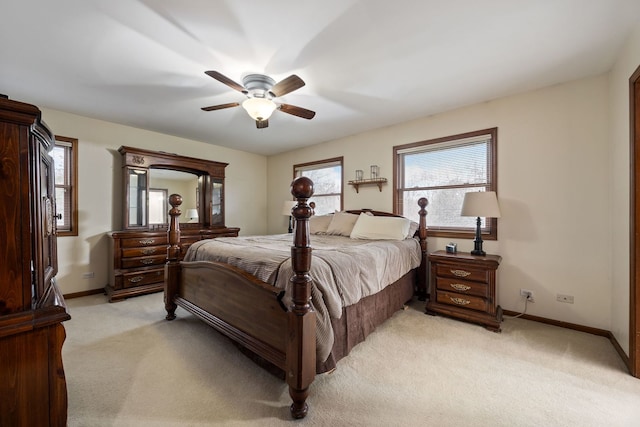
139,258
32,383
463,286
250,311
140,250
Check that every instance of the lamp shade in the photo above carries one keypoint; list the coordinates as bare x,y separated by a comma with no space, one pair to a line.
259,108
192,214
287,206
481,204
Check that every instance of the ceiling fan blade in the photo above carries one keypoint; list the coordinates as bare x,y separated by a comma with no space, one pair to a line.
220,107
261,124
226,80
297,111
287,85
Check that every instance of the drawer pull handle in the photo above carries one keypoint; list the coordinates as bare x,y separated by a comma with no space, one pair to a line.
147,241
460,273
149,251
460,301
136,279
147,261
460,287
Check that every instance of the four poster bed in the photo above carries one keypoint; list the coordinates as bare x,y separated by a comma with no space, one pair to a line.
295,314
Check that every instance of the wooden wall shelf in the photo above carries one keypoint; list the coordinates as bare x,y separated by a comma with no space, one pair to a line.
376,181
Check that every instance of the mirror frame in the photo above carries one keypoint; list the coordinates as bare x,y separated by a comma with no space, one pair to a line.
209,172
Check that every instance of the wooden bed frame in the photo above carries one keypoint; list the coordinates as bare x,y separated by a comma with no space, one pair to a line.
250,311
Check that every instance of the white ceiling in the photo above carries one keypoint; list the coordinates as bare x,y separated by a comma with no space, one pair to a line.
366,63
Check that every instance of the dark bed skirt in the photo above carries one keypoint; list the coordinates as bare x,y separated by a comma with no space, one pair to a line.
357,322
361,319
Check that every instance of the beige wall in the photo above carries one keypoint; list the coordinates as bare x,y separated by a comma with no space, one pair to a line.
554,178
628,61
563,184
100,193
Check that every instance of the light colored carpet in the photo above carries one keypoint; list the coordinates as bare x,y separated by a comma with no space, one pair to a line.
127,366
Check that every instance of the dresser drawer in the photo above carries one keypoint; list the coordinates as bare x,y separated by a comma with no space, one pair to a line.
140,278
461,300
463,272
462,286
143,251
135,242
222,235
144,261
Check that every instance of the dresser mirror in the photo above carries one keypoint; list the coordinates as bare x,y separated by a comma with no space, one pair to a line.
163,183
150,177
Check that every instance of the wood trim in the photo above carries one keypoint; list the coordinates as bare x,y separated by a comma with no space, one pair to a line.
634,223
492,167
321,162
26,321
618,348
207,171
560,323
74,186
580,328
83,293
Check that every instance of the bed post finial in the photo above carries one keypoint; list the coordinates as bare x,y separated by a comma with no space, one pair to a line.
172,267
301,346
422,235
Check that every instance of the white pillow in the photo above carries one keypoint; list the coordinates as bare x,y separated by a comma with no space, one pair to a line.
342,223
319,224
413,227
380,228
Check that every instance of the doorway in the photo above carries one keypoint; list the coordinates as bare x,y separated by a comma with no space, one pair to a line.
634,285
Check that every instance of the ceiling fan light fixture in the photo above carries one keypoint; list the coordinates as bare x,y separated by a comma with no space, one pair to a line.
259,108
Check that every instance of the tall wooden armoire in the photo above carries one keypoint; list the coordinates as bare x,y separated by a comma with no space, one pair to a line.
33,389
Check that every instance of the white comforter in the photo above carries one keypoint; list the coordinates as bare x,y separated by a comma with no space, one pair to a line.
343,270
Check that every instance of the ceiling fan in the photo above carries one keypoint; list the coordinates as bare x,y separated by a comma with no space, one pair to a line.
261,91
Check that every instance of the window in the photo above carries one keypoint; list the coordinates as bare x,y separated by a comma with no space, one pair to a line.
65,159
158,200
327,183
443,170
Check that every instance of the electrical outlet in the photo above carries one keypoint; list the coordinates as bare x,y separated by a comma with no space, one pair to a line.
565,298
527,294
88,275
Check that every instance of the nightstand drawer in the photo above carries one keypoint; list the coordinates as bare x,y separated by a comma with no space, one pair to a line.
461,300
462,286
463,272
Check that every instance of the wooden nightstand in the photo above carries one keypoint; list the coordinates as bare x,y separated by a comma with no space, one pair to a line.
464,286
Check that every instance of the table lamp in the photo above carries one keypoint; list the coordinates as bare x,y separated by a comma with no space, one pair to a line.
192,214
286,210
480,204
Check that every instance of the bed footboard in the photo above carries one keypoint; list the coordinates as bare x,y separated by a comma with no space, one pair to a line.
248,310
172,267
301,349
423,269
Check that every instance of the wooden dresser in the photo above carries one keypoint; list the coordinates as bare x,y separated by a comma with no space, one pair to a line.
140,249
139,258
33,389
463,286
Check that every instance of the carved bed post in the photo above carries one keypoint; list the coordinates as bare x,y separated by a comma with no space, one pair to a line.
172,267
301,345
424,265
